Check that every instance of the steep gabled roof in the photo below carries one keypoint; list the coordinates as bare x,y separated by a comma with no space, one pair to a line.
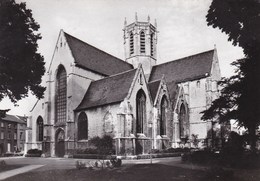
173,92
185,69
153,88
91,58
108,90
13,118
171,86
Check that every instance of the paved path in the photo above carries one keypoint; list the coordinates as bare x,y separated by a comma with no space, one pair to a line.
10,173
171,161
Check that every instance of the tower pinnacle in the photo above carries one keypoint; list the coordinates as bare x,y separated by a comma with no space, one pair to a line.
125,23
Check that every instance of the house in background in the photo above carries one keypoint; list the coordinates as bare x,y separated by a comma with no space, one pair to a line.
21,133
12,134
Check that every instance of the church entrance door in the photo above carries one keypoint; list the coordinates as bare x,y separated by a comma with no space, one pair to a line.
59,143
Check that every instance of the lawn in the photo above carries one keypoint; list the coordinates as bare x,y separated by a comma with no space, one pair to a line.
140,172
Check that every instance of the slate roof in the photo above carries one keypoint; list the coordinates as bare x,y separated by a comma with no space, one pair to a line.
108,90
153,88
94,59
13,118
22,118
185,69
171,86
173,91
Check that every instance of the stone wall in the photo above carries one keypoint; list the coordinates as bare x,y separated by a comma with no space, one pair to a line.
101,120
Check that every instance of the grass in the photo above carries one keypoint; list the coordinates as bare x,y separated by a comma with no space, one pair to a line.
140,172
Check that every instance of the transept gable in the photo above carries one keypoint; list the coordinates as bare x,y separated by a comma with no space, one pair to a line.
215,69
61,56
161,91
139,82
181,99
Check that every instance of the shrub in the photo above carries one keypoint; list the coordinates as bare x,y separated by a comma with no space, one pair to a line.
86,156
194,140
104,145
34,151
87,151
177,150
8,154
234,146
235,155
155,151
185,140
116,162
200,157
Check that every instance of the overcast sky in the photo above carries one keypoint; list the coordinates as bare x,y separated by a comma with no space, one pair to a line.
182,27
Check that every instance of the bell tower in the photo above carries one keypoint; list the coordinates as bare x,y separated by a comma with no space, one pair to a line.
140,43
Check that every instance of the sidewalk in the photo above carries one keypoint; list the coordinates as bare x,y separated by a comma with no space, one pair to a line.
11,157
10,173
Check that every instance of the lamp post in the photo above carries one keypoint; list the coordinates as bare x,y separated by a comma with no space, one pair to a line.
150,125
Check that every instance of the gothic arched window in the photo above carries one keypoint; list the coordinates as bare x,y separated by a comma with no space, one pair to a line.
131,43
152,44
61,95
82,126
182,121
39,129
163,116
142,42
140,111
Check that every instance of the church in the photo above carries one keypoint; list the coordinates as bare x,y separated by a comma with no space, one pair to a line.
142,105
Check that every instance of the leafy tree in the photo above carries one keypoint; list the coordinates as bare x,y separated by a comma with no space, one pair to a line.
3,112
21,67
240,96
239,19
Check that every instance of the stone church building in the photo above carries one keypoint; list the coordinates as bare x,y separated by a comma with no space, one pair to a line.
141,104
